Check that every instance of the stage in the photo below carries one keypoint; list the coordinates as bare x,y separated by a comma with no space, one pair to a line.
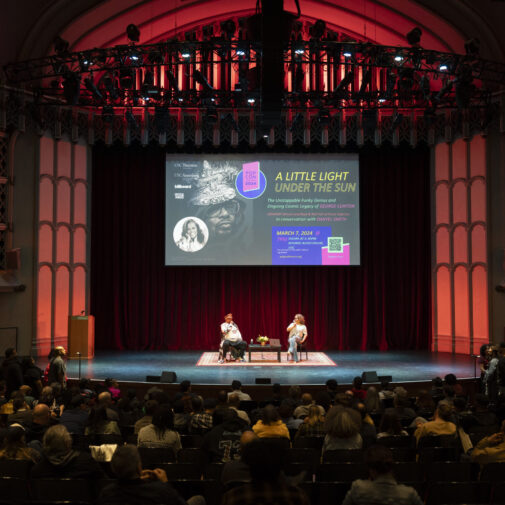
403,366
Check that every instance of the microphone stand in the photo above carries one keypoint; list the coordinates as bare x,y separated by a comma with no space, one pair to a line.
79,356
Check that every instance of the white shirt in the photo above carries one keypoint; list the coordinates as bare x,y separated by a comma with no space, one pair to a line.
231,332
300,330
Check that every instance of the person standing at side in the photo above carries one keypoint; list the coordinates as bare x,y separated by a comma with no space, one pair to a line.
297,335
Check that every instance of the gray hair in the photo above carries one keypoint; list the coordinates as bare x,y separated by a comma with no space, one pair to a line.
56,440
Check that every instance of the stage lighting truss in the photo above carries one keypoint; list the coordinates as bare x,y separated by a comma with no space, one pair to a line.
223,73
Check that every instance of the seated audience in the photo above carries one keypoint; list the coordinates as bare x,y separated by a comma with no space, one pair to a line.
149,409
312,425
372,401
424,406
185,395
367,431
490,449
100,424
357,389
331,388
437,389
181,417
236,389
14,445
129,408
343,431
303,409
386,393
112,387
22,413
451,380
105,402
381,487
402,407
234,403
286,413
390,426
136,486
295,395
277,397
41,421
161,432
270,424
75,417
237,470
441,425
222,442
201,417
59,460
268,486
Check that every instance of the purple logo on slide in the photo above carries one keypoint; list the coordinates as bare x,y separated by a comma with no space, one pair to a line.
251,181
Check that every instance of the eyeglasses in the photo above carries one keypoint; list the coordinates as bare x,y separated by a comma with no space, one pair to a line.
230,207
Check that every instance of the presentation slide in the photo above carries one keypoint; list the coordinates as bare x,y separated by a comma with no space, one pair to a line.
262,209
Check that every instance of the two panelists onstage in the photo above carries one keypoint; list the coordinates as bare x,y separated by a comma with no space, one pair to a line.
231,339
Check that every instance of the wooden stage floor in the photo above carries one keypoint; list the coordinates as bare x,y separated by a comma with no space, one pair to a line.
403,366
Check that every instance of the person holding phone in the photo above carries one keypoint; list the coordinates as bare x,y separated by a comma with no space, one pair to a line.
297,335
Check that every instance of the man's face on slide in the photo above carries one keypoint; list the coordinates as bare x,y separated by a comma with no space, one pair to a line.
221,218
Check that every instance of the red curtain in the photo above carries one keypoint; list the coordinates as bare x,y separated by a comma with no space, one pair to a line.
140,304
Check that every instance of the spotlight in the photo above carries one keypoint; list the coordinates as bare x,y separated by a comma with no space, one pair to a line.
84,62
60,46
229,27
201,79
472,47
108,114
414,36
91,87
71,88
251,101
318,29
299,48
399,58
347,51
133,33
185,54
344,83
444,66
382,100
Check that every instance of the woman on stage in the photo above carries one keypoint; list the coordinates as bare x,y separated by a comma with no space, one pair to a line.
297,335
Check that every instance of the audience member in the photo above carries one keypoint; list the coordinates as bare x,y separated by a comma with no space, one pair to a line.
22,413
105,401
267,484
424,405
60,461
270,424
161,432
75,417
181,417
234,403
201,417
372,401
237,470
185,395
112,387
222,442
286,413
381,487
129,408
277,396
367,431
357,389
437,389
390,426
402,407
490,449
150,407
441,425
100,424
12,372
236,386
41,421
303,409
136,486
386,393
342,432
57,367
32,375
295,395
313,424
331,388
14,445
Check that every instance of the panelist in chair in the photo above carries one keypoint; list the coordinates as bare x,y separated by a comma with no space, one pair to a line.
231,338
297,335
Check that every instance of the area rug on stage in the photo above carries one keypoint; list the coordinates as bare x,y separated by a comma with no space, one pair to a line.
267,359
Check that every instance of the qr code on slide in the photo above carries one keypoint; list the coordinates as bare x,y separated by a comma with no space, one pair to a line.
335,244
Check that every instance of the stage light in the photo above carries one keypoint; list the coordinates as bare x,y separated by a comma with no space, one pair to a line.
399,58
108,114
202,80
251,101
472,47
172,80
382,100
71,88
414,36
60,46
85,62
318,29
91,87
347,52
133,33
299,49
344,83
229,27
185,54
444,66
